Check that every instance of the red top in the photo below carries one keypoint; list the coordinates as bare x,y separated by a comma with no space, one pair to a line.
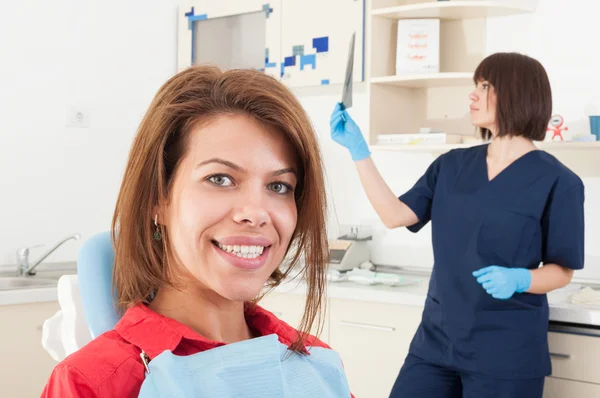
110,365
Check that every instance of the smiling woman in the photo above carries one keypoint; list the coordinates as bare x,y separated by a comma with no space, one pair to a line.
224,178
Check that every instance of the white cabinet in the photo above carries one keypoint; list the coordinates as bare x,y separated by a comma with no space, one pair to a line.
290,307
24,364
373,340
575,357
575,370
560,388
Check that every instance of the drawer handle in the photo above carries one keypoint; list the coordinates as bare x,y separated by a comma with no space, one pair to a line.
561,356
365,326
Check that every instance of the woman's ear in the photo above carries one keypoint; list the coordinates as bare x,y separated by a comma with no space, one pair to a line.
158,216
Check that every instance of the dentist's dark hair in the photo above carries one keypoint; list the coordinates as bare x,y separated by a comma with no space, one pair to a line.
523,95
192,97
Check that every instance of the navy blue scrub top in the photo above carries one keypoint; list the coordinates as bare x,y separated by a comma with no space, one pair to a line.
530,213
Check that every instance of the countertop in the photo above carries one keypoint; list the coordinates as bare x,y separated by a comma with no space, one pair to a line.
561,310
36,294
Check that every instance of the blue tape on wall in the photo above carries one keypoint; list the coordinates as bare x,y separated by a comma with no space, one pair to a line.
298,50
321,44
193,59
267,9
289,61
310,59
282,69
324,82
200,17
270,64
191,19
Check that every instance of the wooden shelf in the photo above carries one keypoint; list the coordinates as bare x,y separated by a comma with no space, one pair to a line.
423,148
451,10
546,146
568,146
581,157
447,79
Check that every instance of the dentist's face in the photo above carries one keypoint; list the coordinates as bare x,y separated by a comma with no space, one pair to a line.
232,212
483,106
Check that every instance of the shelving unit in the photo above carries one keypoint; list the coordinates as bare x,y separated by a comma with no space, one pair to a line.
580,157
450,10
404,104
448,79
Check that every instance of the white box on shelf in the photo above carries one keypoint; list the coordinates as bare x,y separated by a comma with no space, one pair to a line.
418,46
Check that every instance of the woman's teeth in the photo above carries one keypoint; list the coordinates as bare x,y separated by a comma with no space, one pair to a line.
242,251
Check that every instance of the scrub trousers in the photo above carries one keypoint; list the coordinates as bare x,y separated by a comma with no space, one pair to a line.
421,379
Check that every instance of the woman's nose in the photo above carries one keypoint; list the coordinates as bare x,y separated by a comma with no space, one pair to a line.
252,212
472,96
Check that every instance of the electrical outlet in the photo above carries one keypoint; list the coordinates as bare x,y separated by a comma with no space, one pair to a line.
78,118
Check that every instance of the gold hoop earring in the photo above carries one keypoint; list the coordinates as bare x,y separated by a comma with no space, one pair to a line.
157,234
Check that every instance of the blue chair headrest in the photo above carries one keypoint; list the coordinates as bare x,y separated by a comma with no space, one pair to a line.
95,265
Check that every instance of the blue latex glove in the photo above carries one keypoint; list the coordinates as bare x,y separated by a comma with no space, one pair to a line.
501,283
345,132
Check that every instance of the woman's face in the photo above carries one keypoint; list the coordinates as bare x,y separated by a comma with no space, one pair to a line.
483,106
232,211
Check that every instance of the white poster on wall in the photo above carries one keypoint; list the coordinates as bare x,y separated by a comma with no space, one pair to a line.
315,36
418,48
305,41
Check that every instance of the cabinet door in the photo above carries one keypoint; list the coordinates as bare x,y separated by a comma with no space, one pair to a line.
24,364
289,307
560,388
373,340
575,356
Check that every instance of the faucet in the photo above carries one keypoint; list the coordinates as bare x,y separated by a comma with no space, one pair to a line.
23,256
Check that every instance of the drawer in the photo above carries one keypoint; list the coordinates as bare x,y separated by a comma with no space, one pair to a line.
24,364
400,319
559,388
575,357
373,340
289,307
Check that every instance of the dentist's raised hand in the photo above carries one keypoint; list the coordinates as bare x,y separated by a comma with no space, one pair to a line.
346,132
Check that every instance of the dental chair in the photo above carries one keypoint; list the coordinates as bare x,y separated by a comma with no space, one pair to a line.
86,300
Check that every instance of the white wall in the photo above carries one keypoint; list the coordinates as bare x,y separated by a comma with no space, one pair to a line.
111,56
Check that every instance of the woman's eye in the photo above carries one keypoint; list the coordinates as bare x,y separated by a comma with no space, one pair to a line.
221,180
280,188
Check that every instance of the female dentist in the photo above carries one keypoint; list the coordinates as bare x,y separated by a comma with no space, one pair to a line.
498,210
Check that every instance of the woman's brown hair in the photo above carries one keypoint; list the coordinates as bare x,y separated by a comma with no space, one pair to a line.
196,95
524,96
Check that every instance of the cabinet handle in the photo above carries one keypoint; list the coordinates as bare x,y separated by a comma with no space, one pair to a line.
365,326
561,356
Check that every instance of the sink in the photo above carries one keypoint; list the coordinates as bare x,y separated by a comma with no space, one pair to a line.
12,283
